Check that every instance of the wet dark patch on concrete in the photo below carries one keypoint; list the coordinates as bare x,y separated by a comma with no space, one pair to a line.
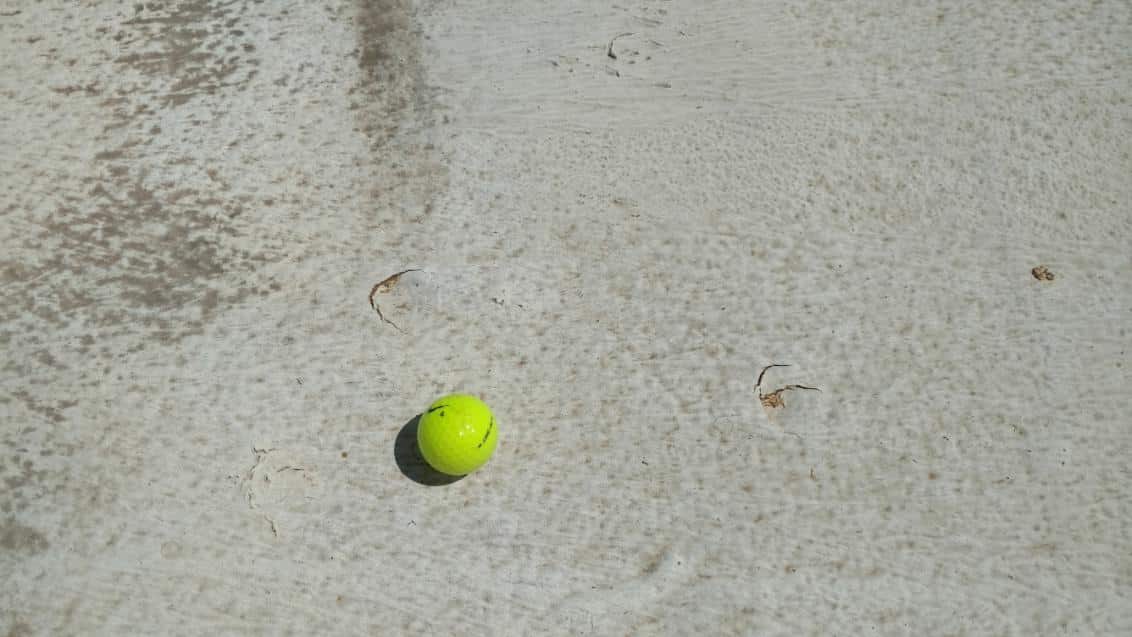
46,470
18,538
128,253
89,89
123,246
393,92
395,109
131,257
20,629
188,61
23,483
384,28
53,411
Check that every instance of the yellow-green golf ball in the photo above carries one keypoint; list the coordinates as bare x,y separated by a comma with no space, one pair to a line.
457,434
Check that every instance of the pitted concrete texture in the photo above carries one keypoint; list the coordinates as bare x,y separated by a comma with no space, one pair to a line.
615,217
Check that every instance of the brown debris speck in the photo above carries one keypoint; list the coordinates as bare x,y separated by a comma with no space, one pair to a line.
1042,273
774,400
384,286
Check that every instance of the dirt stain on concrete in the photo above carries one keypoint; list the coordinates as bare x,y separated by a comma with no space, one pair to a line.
127,250
393,88
20,629
396,109
18,538
116,247
201,47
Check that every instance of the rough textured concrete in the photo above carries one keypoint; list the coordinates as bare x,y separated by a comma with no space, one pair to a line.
621,214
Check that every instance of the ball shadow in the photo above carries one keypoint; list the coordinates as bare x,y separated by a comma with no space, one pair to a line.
409,460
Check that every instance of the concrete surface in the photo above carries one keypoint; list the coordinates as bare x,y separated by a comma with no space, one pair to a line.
201,412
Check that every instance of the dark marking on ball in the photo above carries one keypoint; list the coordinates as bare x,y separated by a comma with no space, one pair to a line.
487,433
432,409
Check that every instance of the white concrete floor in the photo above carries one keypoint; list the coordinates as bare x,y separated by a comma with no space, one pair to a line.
621,214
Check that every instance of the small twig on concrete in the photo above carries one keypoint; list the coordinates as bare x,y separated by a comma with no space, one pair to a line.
774,398
759,382
385,285
609,50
